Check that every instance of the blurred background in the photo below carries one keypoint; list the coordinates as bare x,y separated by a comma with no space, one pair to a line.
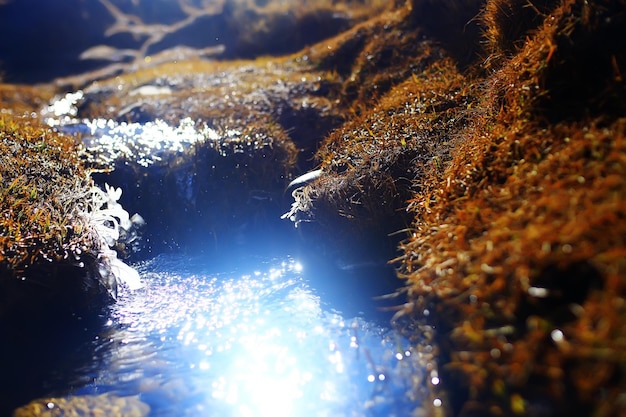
41,40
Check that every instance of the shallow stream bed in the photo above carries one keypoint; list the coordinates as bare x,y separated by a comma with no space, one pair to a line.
253,340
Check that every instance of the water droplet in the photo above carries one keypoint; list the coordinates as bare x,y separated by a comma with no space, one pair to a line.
557,336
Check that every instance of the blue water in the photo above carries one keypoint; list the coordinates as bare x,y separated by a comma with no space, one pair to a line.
255,341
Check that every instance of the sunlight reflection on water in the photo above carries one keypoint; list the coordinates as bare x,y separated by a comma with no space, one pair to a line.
257,344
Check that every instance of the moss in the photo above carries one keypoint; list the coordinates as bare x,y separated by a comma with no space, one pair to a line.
108,404
284,96
45,245
282,27
269,115
375,55
22,100
554,224
231,95
518,245
374,163
507,24
407,101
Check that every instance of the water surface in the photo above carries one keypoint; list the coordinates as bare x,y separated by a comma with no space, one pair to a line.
256,340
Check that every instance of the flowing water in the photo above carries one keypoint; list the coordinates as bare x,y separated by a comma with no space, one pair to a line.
254,341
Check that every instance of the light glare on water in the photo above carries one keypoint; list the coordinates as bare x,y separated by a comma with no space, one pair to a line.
258,344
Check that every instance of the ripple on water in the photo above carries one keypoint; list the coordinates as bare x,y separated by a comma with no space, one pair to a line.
194,342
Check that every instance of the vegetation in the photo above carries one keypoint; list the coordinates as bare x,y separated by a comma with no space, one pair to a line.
48,250
494,141
518,245
22,100
105,404
513,161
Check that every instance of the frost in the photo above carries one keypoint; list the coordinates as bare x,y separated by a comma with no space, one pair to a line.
110,221
301,207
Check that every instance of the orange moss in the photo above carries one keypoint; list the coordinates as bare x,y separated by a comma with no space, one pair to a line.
373,56
44,195
282,27
406,100
519,243
373,163
508,23
235,90
22,99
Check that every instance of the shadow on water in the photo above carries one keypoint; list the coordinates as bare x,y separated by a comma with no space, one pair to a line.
355,289
43,355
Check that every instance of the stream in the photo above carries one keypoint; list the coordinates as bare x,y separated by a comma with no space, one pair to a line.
253,340
257,332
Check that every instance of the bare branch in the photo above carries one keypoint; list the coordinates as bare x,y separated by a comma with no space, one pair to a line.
155,33
122,20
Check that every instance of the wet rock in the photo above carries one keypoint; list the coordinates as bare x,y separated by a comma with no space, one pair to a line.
105,404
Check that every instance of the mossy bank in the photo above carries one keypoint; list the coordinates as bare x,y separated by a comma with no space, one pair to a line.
483,141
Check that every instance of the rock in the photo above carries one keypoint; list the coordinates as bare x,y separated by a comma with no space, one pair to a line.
105,404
